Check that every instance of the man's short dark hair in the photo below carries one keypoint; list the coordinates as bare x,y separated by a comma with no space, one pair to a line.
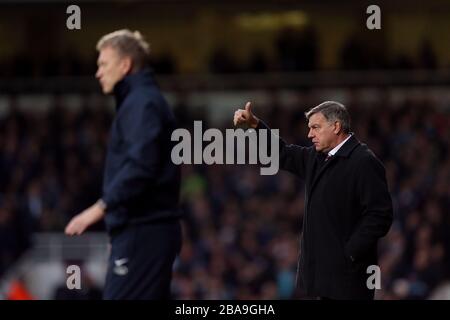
332,111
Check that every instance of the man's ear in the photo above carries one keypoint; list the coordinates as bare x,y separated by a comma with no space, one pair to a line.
126,65
337,127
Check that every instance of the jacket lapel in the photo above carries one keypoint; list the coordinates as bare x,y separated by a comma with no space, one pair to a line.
344,151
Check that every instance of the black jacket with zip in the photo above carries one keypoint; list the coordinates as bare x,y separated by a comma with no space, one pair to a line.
141,184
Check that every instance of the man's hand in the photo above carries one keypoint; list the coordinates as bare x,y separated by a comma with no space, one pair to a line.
245,117
82,221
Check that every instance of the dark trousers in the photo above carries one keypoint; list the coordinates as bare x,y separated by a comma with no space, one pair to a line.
141,261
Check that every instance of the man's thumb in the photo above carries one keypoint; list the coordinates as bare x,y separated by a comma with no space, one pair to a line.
248,107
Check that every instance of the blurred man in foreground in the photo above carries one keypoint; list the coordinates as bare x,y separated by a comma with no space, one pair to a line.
141,184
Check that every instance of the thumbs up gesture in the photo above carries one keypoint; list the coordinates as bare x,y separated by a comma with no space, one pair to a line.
245,117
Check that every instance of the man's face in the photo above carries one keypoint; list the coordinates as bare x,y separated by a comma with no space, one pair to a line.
111,68
322,133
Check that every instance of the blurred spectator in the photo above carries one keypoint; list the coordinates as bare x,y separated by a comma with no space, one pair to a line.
18,291
222,61
257,62
297,49
427,56
164,64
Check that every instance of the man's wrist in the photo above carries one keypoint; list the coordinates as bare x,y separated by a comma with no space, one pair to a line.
255,123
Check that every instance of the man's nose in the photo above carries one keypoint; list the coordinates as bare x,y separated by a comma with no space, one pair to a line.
310,135
97,74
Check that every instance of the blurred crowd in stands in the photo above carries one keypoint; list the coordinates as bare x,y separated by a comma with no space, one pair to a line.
241,229
293,50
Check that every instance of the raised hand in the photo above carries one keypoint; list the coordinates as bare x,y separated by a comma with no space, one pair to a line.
245,117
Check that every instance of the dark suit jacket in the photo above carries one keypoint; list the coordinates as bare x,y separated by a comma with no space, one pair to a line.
347,209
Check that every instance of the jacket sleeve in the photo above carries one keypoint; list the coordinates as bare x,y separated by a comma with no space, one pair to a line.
292,157
374,198
142,132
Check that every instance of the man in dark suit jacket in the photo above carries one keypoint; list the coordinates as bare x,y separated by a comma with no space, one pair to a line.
347,203
141,184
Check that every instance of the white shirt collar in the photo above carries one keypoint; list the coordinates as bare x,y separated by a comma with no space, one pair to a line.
335,149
